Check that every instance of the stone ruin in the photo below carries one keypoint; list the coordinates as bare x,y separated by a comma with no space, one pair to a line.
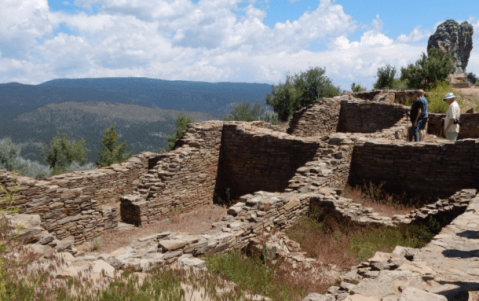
278,175
455,39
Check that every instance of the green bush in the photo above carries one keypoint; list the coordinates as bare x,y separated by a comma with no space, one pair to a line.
385,77
429,69
399,84
63,150
472,78
246,112
357,88
300,91
435,97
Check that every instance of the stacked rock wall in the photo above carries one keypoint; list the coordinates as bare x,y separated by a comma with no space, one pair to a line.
258,159
469,125
347,113
320,118
182,179
369,117
69,205
428,169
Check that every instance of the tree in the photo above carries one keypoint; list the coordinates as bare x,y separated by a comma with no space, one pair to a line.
300,91
472,78
245,112
428,70
112,152
385,77
9,153
182,120
357,88
63,151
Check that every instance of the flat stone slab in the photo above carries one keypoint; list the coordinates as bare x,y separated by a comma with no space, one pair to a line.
172,244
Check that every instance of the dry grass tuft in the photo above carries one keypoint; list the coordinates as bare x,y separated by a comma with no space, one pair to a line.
384,203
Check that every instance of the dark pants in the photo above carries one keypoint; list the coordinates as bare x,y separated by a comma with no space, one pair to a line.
420,125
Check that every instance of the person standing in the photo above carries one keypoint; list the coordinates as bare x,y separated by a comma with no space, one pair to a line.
419,119
451,123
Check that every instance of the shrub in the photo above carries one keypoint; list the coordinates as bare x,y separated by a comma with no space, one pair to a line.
430,69
300,91
385,77
435,97
245,112
357,88
63,150
472,78
10,160
399,84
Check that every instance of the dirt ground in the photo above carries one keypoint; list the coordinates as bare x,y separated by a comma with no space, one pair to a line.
193,222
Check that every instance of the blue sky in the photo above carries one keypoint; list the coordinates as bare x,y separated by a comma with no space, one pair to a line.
219,40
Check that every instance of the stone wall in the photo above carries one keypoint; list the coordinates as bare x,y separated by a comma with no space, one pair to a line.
368,117
182,179
431,170
345,113
469,126
255,159
318,119
69,205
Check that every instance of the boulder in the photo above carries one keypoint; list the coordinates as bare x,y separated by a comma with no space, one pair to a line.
455,39
414,294
319,297
67,273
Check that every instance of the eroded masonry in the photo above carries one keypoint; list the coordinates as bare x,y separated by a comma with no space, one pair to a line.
277,175
350,138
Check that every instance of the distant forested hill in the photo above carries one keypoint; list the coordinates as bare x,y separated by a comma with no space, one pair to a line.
142,109
213,98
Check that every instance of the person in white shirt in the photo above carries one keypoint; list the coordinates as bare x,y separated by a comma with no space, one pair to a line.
451,123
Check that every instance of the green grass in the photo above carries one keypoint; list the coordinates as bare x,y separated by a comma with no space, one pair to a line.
335,242
345,243
252,274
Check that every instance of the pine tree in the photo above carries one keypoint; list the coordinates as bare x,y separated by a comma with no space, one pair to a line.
63,151
182,121
112,152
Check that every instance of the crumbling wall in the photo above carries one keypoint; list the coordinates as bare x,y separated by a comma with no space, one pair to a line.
428,170
70,204
318,119
182,179
345,113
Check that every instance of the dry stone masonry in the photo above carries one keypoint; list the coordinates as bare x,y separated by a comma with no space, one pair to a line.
278,175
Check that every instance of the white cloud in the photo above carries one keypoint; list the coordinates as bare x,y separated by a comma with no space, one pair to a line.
181,40
416,35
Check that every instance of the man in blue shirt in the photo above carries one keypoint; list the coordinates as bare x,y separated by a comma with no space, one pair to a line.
419,123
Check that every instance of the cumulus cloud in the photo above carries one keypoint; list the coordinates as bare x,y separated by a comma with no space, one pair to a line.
416,35
182,40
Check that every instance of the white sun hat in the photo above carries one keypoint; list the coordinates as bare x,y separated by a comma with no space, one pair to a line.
449,96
